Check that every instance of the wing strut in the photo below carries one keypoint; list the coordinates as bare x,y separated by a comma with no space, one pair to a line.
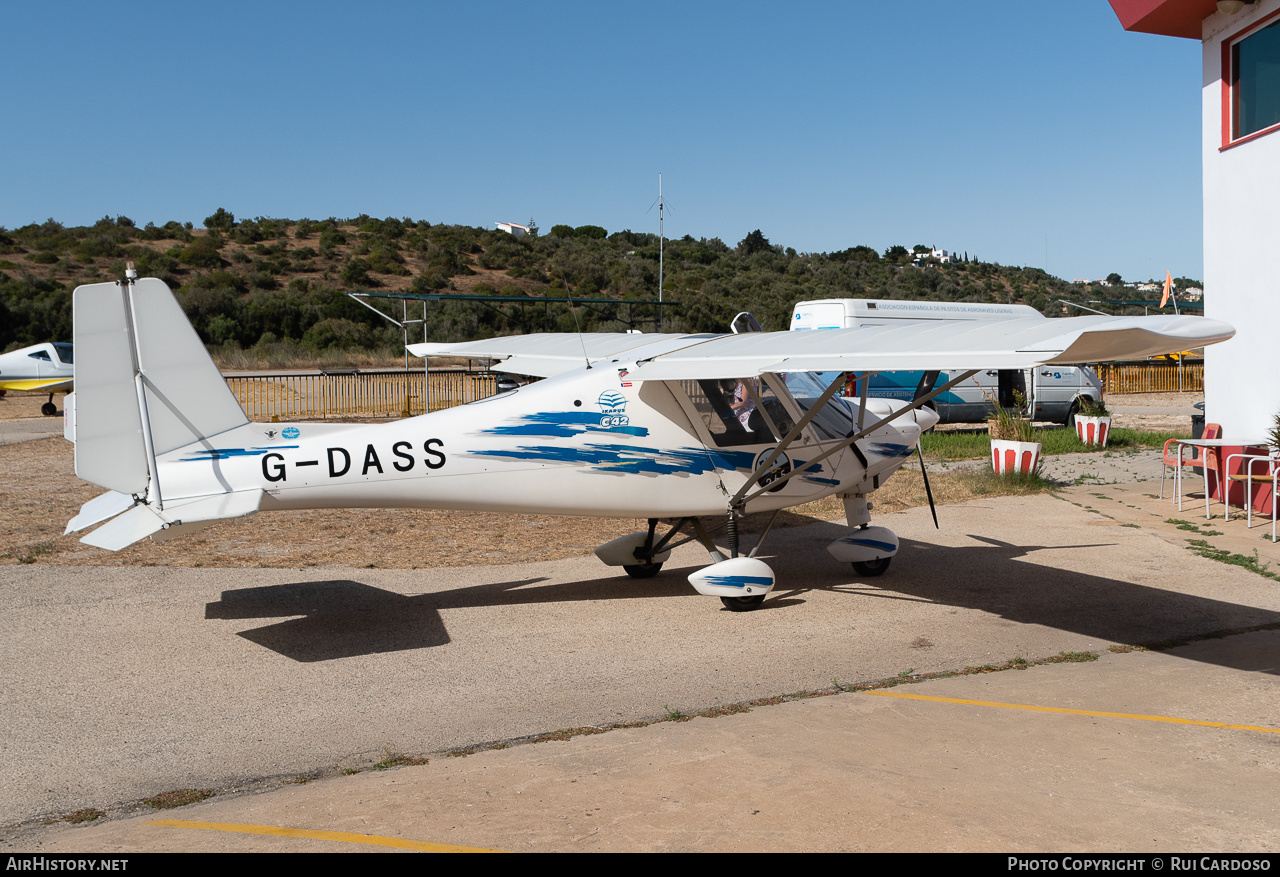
737,501
738,498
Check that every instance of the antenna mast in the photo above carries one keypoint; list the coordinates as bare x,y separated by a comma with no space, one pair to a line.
659,252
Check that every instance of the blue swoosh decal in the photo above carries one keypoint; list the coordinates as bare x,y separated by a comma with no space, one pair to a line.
738,581
561,424
228,453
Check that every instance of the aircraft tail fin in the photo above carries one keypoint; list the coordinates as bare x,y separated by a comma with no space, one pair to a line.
145,384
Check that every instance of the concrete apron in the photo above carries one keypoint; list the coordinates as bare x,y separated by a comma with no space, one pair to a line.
1004,578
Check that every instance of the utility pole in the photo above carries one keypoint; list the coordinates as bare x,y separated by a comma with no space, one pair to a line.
659,252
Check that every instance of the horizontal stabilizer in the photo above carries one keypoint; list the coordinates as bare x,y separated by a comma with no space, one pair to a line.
98,509
142,520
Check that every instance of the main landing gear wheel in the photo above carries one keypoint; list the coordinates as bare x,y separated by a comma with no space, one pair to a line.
742,604
642,570
871,567
48,409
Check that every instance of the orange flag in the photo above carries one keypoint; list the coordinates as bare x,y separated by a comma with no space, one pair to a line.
1168,288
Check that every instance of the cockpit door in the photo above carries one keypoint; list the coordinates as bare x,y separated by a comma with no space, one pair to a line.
741,421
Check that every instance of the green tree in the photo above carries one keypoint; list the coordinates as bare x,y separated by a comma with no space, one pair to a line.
221,220
753,243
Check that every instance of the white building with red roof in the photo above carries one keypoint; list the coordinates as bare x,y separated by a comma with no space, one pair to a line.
1240,121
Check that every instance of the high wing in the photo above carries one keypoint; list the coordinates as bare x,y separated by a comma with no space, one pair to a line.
942,345
547,354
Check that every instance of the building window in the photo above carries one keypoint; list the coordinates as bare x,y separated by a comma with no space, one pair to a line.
1255,82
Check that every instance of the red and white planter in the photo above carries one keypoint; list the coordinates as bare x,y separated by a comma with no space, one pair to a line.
1093,431
1009,458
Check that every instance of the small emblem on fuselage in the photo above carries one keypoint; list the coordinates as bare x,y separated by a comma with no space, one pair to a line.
613,407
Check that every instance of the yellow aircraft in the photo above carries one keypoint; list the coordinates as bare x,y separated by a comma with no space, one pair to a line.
42,367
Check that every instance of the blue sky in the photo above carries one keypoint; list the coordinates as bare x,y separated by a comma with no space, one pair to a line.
1036,134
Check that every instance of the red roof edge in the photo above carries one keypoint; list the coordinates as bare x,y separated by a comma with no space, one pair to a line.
1171,18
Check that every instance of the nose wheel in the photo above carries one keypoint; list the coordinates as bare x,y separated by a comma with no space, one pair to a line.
871,568
742,604
642,570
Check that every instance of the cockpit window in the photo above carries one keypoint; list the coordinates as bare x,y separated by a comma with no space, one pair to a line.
834,420
64,351
40,354
728,409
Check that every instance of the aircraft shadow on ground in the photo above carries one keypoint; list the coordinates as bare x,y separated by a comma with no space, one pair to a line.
1002,578
344,618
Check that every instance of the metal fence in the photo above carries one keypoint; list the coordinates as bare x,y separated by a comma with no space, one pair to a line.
319,395
1152,377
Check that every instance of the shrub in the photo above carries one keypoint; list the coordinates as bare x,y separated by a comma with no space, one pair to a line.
1008,424
202,253
385,260
220,220
336,333
219,281
356,273
429,282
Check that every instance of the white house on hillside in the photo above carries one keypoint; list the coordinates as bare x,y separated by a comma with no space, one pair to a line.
1240,122
514,228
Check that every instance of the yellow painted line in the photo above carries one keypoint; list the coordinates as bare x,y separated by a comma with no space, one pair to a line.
341,836
1055,709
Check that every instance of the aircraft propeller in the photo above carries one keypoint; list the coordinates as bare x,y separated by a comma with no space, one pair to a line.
927,491
927,381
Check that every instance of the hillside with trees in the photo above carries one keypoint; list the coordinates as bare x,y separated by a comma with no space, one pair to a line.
266,291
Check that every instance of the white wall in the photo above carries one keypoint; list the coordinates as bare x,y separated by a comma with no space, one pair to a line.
1241,241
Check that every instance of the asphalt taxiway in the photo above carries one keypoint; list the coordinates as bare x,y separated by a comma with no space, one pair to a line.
122,683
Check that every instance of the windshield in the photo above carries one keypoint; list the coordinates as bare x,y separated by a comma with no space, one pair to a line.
835,420
64,351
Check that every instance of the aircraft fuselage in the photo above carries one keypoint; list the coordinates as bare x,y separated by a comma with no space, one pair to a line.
588,442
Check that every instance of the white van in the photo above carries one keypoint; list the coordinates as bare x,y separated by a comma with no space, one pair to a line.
1054,393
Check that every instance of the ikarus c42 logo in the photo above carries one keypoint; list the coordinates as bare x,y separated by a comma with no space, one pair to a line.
613,407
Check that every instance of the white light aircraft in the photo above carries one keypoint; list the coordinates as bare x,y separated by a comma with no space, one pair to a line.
684,430
44,367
